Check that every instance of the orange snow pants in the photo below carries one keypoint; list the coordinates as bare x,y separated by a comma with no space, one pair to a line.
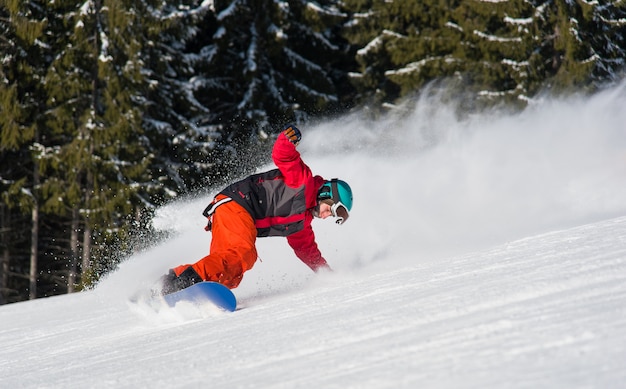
233,249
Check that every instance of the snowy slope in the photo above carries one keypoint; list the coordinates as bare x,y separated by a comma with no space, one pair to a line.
547,311
488,253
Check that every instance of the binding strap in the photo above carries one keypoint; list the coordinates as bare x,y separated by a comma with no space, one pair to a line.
210,210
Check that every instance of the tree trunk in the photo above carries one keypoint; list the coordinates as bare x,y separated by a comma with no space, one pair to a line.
86,265
34,236
74,255
4,257
4,276
86,253
34,251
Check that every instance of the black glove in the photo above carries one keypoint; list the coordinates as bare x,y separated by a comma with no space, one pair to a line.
292,133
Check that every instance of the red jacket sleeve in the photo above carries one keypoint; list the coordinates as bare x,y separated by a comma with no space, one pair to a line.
296,173
303,244
288,161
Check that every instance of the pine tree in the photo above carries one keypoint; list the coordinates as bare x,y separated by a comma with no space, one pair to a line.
263,63
582,43
23,66
496,48
182,141
101,170
605,30
367,30
494,52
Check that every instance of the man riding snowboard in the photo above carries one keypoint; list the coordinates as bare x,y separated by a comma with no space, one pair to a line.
280,202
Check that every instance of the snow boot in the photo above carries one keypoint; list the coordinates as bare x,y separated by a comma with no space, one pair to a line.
171,283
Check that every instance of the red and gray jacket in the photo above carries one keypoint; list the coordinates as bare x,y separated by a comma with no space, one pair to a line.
281,201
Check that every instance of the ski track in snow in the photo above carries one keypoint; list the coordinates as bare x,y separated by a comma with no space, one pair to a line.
507,269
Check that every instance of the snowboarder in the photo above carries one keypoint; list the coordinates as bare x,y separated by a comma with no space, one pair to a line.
280,202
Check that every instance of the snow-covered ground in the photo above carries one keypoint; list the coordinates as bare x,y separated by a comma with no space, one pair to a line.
488,253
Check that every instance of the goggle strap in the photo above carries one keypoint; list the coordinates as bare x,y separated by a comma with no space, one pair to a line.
335,190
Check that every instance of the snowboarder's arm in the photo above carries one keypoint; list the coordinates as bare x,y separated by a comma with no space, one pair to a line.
303,244
289,162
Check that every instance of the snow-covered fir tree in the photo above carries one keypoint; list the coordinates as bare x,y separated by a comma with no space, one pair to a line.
262,63
184,147
25,55
493,51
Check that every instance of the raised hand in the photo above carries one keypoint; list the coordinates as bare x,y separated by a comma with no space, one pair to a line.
292,133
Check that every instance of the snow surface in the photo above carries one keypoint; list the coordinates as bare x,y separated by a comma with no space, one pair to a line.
485,253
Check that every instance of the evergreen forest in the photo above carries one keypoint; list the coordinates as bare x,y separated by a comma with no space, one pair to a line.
112,108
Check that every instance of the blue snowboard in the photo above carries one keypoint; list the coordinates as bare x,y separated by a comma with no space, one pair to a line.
207,291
